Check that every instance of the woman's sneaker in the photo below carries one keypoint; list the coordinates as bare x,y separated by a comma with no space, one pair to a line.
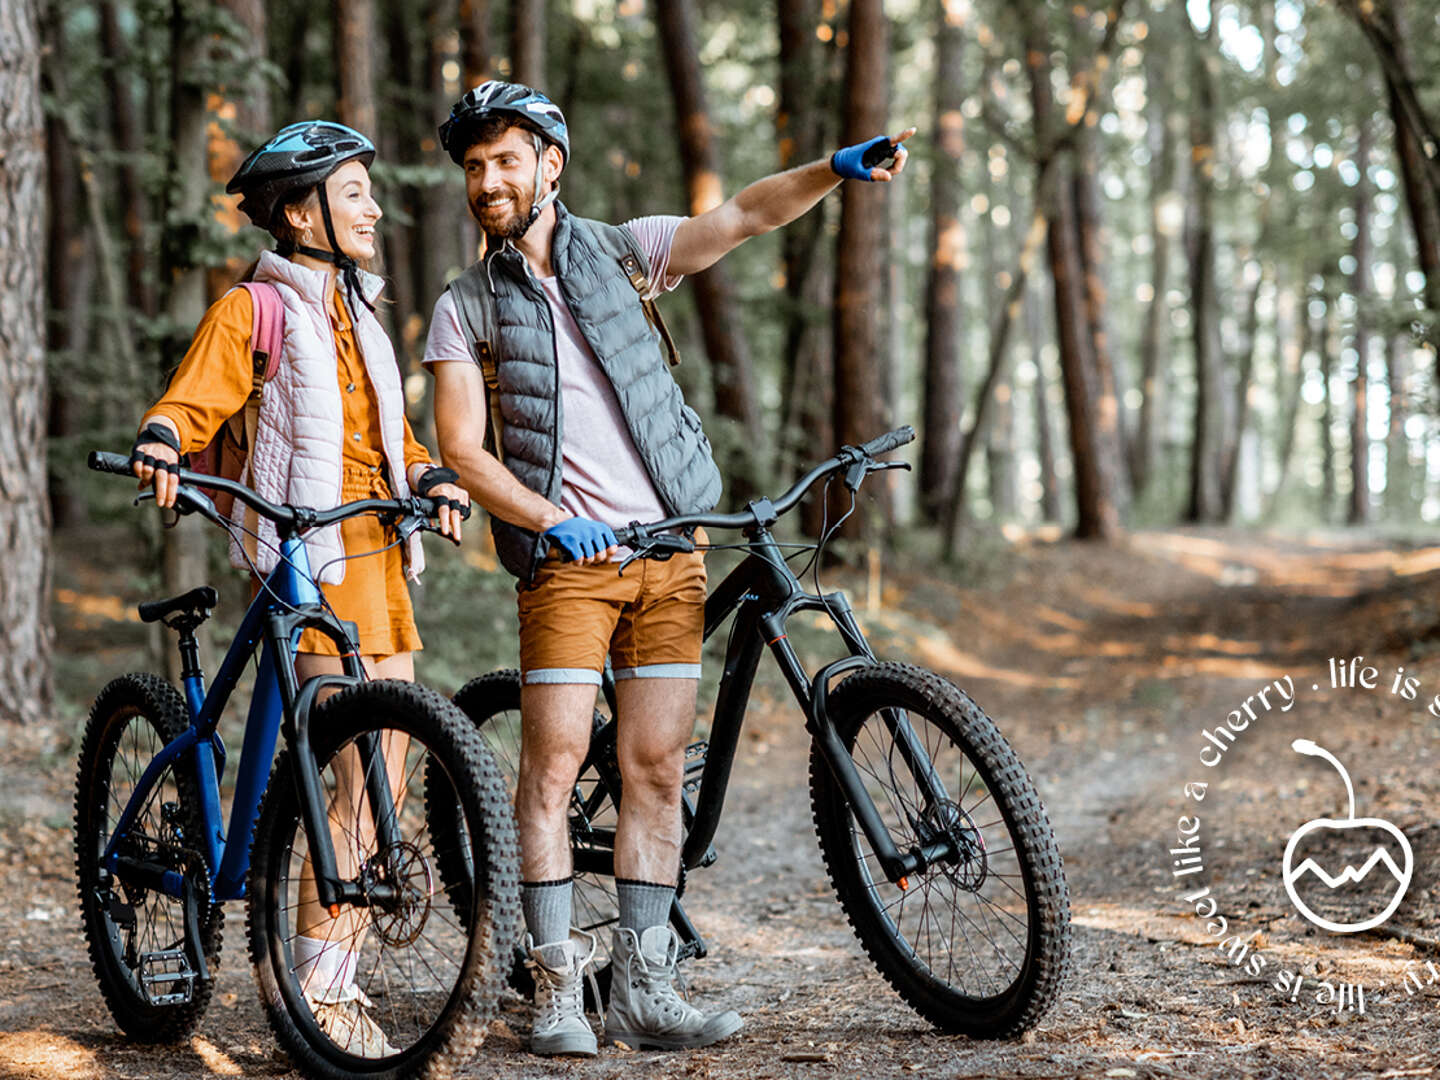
346,1024
559,970
645,1011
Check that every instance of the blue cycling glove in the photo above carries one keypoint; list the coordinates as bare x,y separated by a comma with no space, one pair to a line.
855,162
581,538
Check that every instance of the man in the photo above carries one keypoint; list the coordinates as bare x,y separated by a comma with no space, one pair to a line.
551,333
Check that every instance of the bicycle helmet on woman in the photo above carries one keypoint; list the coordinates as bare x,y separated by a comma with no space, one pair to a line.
295,159
529,108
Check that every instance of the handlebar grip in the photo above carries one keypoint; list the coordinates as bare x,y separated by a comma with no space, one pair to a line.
889,441
104,461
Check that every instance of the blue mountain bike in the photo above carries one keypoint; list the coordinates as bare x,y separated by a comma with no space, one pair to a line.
334,844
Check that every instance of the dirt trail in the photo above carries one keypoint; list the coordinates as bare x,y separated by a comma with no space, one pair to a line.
1104,667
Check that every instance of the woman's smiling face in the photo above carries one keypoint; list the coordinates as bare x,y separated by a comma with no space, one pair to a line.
353,212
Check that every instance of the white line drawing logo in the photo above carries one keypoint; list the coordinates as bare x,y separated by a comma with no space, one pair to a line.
1350,875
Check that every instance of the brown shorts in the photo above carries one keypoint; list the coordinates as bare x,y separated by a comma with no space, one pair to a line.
650,620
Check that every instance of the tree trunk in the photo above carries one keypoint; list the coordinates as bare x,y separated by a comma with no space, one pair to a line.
944,310
1360,290
183,280
1205,482
247,105
1050,508
25,631
65,243
129,144
858,270
355,65
474,42
1091,243
985,397
1092,435
1399,505
1294,332
734,382
1324,347
1155,334
804,126
527,43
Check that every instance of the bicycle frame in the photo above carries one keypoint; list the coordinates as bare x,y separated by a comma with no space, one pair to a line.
762,593
288,604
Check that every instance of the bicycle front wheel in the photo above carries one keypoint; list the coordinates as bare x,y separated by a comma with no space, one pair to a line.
405,980
976,942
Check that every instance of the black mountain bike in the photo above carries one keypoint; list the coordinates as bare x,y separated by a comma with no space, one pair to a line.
935,840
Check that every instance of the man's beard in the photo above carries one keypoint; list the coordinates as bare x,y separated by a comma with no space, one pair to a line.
512,228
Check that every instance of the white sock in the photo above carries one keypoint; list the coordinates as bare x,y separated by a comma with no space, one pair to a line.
325,969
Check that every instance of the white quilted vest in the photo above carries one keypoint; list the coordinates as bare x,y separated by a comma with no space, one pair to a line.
297,453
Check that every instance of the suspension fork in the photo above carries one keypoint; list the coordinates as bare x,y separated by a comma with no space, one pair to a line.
813,698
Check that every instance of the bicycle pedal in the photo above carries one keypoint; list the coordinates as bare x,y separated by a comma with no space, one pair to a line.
694,765
169,968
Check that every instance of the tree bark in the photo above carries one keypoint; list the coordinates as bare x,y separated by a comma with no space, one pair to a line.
26,692
355,66
804,126
720,323
1360,289
1093,445
65,270
474,42
245,106
1091,244
944,310
858,389
1295,331
1398,503
1164,207
999,353
527,43
1205,481
1050,508
1324,347
125,129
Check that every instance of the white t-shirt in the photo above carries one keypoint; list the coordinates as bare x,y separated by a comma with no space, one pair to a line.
602,476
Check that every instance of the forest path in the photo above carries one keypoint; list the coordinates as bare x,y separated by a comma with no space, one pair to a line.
1103,666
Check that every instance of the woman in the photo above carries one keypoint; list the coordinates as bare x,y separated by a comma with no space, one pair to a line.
331,429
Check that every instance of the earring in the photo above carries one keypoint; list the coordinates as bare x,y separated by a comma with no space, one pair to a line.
309,235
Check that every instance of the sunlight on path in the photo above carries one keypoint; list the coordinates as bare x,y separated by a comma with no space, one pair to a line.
44,1053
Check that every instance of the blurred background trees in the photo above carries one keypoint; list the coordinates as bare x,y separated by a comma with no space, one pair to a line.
1152,262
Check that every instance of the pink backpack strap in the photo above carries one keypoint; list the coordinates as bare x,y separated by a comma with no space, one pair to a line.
267,331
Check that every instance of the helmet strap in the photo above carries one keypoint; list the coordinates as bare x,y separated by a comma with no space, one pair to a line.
542,198
347,266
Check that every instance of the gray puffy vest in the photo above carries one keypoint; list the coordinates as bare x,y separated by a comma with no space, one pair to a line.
507,320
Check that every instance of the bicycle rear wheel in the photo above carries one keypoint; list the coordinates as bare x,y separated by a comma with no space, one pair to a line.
421,981
978,942
141,952
492,702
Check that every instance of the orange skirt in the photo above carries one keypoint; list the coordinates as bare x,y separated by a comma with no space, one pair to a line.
373,595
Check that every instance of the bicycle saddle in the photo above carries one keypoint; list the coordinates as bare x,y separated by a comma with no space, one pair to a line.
200,600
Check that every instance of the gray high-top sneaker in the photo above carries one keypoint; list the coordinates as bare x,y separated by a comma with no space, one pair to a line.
645,1011
559,970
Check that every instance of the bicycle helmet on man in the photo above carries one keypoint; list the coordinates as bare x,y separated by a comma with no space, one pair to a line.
294,160
525,107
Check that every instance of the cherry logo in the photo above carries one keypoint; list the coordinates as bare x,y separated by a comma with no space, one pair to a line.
1292,875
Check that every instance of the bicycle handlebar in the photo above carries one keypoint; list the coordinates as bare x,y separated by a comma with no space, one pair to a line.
764,511
287,518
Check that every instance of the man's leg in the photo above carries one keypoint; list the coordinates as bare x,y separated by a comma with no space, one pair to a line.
555,735
657,667
566,620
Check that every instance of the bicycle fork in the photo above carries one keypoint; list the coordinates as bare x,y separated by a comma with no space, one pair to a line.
897,865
